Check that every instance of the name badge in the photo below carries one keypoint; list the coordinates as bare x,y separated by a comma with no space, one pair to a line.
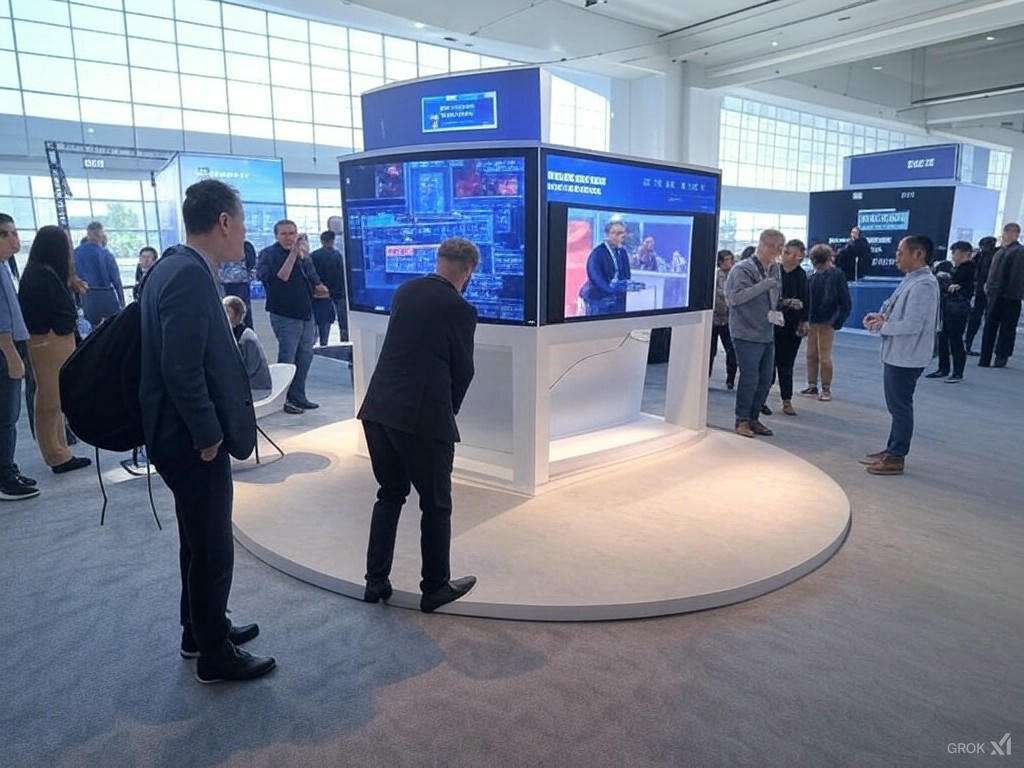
775,317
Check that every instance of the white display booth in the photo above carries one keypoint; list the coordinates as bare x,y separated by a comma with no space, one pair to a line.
551,401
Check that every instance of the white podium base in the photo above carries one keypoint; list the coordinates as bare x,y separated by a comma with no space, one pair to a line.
716,522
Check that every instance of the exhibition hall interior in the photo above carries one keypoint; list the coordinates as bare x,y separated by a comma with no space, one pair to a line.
685,332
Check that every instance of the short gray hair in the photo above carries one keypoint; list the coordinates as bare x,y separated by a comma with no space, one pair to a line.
458,250
771,234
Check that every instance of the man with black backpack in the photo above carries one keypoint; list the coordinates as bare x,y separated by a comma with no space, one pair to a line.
196,413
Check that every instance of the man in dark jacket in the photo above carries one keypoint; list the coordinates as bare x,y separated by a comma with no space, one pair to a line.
1005,289
329,265
830,305
291,281
794,305
855,256
236,277
982,263
197,414
408,414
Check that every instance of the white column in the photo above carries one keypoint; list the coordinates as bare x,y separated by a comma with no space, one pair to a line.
1014,210
692,117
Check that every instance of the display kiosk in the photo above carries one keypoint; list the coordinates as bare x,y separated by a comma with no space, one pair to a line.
560,375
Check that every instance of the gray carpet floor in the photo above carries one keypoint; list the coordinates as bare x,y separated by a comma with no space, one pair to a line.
908,640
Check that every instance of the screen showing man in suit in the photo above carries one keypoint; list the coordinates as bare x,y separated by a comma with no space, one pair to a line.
617,263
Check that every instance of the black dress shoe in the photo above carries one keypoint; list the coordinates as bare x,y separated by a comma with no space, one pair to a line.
939,374
972,353
307,405
377,591
766,411
1000,362
233,664
78,462
292,408
450,592
237,636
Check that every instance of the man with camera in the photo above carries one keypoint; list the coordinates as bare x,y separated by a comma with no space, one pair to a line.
292,283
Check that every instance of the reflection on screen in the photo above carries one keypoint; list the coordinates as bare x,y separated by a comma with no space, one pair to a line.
399,213
649,271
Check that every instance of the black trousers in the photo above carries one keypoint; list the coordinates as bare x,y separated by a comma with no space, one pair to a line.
722,332
787,345
1000,329
977,315
203,494
951,342
401,460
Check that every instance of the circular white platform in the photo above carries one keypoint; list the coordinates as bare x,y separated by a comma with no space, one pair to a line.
718,522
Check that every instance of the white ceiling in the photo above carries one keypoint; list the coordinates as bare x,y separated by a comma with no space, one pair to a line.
926,48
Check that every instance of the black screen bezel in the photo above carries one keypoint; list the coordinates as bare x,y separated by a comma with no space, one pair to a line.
530,257
553,256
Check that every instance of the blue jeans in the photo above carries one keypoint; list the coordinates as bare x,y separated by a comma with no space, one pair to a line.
757,363
10,411
295,345
900,384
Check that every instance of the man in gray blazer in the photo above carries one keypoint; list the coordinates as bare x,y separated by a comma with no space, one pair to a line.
197,413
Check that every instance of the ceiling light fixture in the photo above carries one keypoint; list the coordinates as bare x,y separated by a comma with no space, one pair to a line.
878,67
775,43
419,25
990,38
969,96
843,18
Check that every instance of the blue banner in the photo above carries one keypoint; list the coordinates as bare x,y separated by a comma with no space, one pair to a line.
460,112
628,185
499,105
933,163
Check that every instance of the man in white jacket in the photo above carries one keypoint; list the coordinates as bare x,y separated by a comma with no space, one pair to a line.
907,323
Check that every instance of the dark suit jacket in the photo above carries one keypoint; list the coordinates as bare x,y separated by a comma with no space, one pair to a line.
601,271
331,269
194,389
1006,275
426,363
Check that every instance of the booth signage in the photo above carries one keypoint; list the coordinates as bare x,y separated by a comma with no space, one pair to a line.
934,163
460,112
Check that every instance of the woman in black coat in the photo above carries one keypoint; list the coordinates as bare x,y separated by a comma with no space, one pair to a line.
50,315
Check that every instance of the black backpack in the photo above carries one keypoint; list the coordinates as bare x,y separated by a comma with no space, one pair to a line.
99,383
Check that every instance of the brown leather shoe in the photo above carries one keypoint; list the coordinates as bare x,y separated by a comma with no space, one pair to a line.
887,465
744,429
788,409
872,458
760,429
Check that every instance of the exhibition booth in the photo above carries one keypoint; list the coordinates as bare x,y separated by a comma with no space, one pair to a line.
571,501
933,190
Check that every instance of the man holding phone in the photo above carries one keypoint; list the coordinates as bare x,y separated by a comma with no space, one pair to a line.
292,283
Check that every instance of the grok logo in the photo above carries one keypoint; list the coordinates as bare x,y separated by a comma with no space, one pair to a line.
1001,748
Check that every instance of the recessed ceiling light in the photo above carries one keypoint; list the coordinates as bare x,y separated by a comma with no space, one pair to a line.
878,67
775,43
419,25
989,38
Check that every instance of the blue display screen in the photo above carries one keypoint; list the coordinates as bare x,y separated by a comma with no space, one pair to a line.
586,181
500,105
398,213
460,112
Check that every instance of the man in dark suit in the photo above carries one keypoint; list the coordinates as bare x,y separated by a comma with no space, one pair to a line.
855,257
197,413
328,264
1004,288
408,415
982,262
608,273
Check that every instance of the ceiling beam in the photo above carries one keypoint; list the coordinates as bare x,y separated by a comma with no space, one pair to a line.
982,108
874,42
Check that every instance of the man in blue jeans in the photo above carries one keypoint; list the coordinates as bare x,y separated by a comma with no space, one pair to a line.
752,293
13,485
292,283
907,323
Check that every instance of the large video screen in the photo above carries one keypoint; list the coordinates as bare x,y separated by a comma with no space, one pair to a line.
648,270
885,216
398,211
628,238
